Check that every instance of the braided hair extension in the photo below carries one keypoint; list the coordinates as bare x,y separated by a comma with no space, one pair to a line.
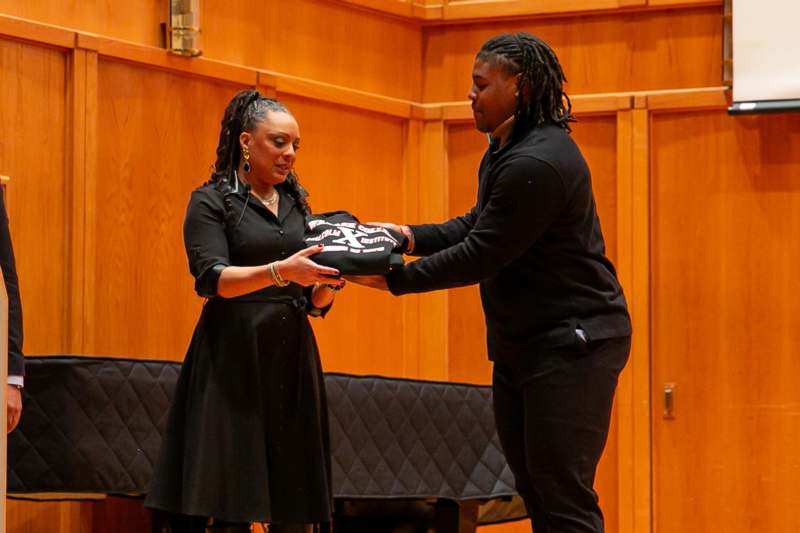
540,97
243,113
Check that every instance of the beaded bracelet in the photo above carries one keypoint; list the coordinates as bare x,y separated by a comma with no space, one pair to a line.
405,230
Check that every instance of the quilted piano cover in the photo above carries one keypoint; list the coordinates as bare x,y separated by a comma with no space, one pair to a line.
94,425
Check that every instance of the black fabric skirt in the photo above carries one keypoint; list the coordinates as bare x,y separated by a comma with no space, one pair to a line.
247,434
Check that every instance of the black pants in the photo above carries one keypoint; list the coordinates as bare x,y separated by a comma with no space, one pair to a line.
552,412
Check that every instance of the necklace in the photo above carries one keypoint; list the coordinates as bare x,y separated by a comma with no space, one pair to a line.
269,202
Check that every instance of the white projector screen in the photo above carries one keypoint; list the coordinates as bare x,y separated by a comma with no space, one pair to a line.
766,55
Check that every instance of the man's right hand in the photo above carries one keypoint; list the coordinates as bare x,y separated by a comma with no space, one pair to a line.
402,230
387,225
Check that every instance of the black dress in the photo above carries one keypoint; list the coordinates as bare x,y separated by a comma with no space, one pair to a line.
247,434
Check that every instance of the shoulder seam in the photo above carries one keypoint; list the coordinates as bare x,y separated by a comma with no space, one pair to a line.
545,162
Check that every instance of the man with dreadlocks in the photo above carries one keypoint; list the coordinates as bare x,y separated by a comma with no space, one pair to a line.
557,323
247,435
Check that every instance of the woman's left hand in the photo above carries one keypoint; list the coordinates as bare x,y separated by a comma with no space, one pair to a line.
375,281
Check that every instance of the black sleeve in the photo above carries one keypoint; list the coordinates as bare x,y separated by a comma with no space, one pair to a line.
205,240
16,361
432,238
526,197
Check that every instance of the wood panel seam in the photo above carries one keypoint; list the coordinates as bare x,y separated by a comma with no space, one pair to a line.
74,286
642,352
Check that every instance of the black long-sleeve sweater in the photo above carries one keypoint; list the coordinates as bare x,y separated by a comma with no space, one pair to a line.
533,242
16,361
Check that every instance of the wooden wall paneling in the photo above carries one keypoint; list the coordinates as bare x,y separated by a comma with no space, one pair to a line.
400,8
624,403
433,207
36,150
58,517
353,160
273,81
582,105
436,12
73,517
335,94
633,266
89,205
412,178
76,163
641,349
305,38
588,105
33,152
137,21
108,515
26,30
682,3
443,11
726,198
325,41
267,84
155,57
468,360
430,11
470,9
425,200
597,138
82,134
347,47
3,398
120,515
596,135
626,51
694,99
270,81
157,136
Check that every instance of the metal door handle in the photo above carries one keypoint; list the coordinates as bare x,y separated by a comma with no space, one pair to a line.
669,400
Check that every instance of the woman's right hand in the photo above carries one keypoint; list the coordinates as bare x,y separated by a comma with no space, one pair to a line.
303,271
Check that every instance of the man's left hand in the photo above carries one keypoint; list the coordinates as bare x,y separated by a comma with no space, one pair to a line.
375,282
14,412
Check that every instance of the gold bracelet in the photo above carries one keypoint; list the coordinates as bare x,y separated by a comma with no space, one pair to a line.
281,281
276,277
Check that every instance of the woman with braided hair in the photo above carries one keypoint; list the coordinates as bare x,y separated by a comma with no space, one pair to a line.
247,435
558,328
